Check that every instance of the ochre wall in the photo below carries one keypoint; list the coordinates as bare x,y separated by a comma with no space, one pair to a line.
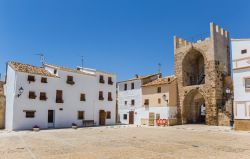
170,90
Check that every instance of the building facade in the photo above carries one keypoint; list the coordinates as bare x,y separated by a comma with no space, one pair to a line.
159,101
241,82
55,97
130,98
200,68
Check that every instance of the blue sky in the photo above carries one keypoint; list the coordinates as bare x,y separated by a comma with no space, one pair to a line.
126,37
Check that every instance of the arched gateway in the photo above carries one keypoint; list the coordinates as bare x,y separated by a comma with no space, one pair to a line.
200,68
194,108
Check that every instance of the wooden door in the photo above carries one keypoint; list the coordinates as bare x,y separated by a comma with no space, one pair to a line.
51,118
151,120
131,117
102,117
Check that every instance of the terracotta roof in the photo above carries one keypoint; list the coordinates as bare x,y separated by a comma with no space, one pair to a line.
26,68
160,81
141,77
68,69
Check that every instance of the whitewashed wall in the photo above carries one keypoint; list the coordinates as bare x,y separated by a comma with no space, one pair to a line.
240,72
128,95
88,84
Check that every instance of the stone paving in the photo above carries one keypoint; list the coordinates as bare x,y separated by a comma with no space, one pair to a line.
127,142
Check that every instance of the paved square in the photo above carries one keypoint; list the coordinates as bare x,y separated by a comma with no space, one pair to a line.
185,141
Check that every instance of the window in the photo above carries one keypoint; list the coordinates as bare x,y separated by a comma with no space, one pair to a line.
55,71
80,115
110,96
70,80
132,102
108,115
159,100
146,102
247,83
125,102
44,80
159,90
101,95
132,86
32,95
125,87
244,51
125,116
43,96
59,96
110,82
29,114
31,78
82,97
101,79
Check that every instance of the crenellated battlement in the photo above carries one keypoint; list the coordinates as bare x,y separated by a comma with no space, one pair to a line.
217,30
179,42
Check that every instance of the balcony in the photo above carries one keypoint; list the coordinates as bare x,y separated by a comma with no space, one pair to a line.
70,82
101,98
101,81
59,100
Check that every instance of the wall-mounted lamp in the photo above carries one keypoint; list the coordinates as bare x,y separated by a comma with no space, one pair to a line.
20,92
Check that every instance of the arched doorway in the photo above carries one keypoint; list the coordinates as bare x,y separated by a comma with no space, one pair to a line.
194,108
193,68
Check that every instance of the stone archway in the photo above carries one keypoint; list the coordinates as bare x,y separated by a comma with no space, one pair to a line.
194,108
193,68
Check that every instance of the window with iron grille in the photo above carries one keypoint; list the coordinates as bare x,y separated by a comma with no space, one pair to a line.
101,95
247,83
59,96
110,81
159,90
125,116
110,96
125,86
132,85
32,95
70,80
108,115
244,51
101,79
44,80
132,102
80,115
82,97
43,96
29,114
31,78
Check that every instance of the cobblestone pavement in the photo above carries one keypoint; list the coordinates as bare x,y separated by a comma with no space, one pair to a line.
127,142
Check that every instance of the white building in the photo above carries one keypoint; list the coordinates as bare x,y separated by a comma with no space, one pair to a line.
241,80
55,97
130,98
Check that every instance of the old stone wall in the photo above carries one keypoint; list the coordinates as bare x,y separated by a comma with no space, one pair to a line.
215,69
2,106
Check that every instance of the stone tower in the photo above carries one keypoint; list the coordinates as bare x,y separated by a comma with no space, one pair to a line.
200,68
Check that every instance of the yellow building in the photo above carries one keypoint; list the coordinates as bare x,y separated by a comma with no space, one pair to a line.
159,100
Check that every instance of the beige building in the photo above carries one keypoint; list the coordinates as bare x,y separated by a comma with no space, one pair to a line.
159,100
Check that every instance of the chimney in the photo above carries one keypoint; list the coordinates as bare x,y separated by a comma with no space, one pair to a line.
136,76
